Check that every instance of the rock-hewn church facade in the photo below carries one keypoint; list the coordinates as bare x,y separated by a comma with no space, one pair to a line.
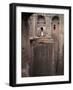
42,44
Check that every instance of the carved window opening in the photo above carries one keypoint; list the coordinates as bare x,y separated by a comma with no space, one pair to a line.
41,19
55,22
54,27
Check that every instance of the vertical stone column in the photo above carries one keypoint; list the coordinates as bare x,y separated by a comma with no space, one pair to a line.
30,27
61,34
48,25
60,69
33,24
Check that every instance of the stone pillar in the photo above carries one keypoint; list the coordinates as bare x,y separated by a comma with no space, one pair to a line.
48,25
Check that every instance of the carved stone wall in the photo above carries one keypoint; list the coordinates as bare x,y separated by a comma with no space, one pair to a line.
47,29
